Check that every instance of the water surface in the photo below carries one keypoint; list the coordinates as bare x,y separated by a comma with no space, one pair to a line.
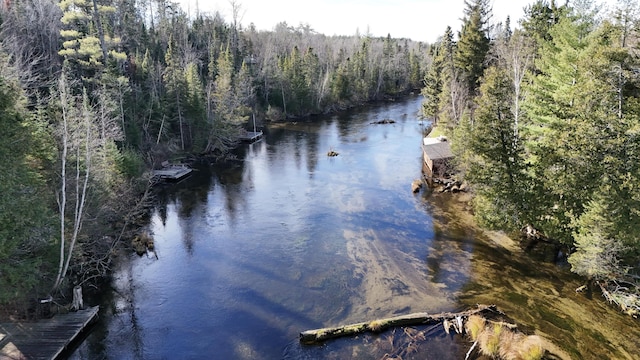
287,239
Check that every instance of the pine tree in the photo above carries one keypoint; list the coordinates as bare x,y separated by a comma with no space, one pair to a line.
598,250
473,46
85,38
228,113
176,94
495,160
26,221
538,19
578,126
440,82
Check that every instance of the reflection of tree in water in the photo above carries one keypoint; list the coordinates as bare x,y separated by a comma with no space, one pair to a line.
187,194
120,302
344,123
135,327
449,257
162,212
230,179
312,153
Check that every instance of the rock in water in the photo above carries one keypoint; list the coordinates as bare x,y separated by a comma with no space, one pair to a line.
416,185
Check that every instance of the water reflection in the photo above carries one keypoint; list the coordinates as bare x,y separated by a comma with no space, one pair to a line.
287,239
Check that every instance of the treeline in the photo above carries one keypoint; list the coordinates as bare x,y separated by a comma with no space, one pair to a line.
545,124
95,92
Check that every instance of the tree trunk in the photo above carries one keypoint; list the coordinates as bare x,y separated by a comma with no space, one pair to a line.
78,302
376,326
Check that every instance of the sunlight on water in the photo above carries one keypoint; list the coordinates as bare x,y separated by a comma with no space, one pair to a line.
288,239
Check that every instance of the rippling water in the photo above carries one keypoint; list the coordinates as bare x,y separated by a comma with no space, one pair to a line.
287,239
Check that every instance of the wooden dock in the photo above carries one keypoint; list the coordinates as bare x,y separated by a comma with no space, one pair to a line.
251,136
44,339
173,172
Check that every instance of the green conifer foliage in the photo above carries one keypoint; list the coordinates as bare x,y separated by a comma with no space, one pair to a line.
26,221
473,45
495,160
85,40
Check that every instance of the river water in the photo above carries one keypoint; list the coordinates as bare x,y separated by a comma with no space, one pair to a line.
287,239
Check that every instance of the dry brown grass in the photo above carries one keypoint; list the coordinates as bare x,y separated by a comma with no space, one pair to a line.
498,341
475,324
489,340
531,348
375,325
509,341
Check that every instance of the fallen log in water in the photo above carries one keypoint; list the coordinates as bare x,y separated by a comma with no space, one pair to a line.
376,326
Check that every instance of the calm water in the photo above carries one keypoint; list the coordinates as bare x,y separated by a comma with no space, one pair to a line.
288,239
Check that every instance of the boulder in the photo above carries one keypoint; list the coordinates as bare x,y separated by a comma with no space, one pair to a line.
416,185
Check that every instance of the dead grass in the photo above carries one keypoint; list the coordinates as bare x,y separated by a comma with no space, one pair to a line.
475,324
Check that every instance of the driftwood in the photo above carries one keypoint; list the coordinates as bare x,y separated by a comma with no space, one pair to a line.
625,297
376,326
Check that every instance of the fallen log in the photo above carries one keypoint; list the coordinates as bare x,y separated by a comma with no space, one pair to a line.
319,335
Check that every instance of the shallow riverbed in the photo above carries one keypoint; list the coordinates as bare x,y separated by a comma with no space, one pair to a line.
287,239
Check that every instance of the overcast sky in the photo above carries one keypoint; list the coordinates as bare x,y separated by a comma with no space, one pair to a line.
421,20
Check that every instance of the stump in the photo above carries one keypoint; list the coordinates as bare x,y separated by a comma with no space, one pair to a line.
77,302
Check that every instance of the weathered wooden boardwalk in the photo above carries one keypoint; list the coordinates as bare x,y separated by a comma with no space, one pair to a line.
251,136
44,339
173,172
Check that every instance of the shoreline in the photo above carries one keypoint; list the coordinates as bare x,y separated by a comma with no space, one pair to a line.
540,296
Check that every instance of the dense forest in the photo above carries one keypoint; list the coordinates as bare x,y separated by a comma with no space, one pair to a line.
544,124
94,93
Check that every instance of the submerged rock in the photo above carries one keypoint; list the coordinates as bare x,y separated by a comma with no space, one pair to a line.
384,121
142,242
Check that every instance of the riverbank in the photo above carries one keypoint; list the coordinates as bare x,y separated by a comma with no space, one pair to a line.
540,296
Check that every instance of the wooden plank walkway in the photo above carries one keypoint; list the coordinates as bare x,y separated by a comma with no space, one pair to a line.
173,172
251,136
44,339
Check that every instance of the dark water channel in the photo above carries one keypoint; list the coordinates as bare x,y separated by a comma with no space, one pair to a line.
288,239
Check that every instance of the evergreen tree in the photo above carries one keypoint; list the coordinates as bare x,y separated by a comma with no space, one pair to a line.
564,113
473,43
598,250
441,88
85,39
539,18
494,158
228,113
26,220
433,84
176,94
415,71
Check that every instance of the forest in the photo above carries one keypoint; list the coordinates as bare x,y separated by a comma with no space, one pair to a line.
544,124
95,93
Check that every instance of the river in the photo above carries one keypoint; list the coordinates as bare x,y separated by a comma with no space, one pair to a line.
286,239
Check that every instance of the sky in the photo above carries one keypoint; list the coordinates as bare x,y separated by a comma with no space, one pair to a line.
420,20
